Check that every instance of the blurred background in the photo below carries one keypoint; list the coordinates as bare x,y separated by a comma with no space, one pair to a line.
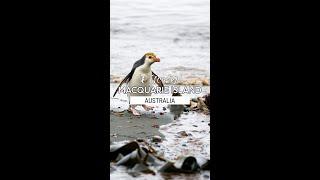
178,31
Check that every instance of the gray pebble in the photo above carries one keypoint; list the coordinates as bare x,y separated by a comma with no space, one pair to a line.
156,139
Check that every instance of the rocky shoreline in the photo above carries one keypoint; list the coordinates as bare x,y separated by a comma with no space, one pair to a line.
173,133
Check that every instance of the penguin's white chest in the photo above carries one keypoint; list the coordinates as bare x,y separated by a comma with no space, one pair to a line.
141,78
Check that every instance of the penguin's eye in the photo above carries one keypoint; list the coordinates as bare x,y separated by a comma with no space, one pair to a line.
150,57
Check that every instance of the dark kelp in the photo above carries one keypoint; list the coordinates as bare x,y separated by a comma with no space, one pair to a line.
138,157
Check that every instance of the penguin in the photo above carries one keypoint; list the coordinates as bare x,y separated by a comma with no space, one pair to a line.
140,76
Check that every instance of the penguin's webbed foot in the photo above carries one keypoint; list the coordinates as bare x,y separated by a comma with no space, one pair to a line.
147,108
134,111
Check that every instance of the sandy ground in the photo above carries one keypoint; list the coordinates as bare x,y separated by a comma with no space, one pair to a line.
125,126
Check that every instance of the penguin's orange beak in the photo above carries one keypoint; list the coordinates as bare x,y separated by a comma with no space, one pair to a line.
156,59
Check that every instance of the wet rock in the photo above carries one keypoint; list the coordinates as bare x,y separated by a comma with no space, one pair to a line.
161,113
140,140
203,163
194,100
186,109
152,160
176,110
130,160
194,125
141,168
115,150
205,82
156,139
187,163
202,106
207,99
206,166
193,104
176,93
119,157
182,165
199,104
168,168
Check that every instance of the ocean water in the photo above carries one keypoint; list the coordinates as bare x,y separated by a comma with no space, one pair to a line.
177,31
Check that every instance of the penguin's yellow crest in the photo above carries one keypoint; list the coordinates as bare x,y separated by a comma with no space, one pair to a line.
150,54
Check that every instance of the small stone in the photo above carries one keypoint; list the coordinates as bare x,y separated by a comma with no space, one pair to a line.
140,140
194,100
156,139
164,108
161,113
155,125
205,82
193,104
182,133
119,107
206,176
194,125
184,144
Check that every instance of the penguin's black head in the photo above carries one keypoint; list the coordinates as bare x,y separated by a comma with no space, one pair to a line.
151,58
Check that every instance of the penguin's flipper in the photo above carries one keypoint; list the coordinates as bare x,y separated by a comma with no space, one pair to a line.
129,76
157,80
125,80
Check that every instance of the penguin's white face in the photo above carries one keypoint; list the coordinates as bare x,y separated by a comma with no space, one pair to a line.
151,58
